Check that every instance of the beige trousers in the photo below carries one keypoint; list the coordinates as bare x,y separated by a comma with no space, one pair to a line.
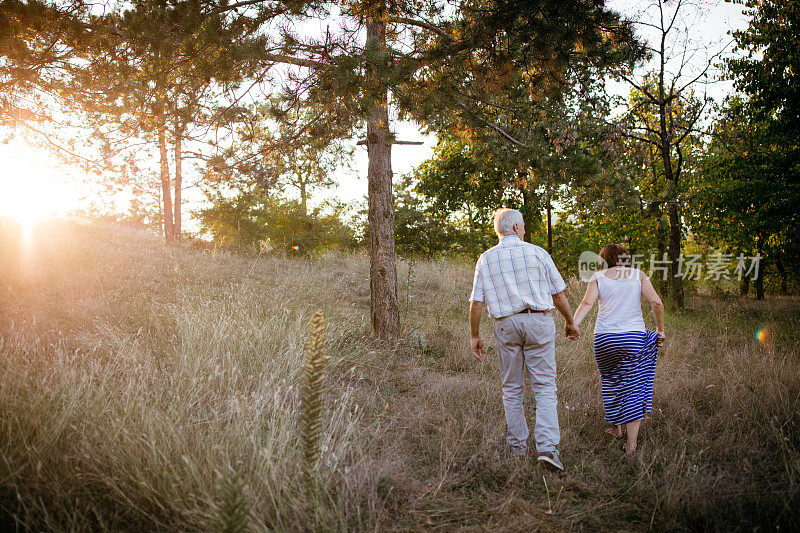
526,345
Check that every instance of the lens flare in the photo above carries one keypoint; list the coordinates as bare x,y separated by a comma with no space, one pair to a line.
762,335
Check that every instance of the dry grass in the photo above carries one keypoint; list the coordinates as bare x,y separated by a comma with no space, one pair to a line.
157,389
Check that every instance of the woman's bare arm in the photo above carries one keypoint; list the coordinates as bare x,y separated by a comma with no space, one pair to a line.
588,301
649,292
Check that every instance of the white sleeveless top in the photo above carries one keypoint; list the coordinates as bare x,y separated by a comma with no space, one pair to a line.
619,304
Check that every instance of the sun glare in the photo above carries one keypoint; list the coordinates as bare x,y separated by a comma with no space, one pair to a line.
33,185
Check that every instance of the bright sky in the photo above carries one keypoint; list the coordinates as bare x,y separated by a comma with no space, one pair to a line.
706,24
35,185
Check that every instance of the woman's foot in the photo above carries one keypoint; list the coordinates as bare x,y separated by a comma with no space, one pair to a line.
614,431
629,449
633,436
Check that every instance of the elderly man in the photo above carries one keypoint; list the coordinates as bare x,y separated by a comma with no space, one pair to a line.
519,284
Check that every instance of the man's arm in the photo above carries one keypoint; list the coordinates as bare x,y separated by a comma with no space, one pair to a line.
561,303
478,349
557,288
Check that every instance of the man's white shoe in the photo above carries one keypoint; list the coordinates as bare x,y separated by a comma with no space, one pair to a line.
552,458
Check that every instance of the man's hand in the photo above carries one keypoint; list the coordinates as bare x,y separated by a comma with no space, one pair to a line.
571,331
478,349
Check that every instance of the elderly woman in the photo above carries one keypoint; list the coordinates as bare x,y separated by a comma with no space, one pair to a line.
624,350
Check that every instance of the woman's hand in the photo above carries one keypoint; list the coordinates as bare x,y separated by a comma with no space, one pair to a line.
571,330
661,338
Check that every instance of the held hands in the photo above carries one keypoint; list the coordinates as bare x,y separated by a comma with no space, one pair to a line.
478,349
571,330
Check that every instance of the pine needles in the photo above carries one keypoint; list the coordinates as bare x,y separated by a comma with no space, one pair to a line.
312,404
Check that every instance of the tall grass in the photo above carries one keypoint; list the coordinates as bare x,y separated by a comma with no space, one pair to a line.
152,388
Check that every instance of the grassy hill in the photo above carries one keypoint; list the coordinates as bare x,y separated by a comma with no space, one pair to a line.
148,388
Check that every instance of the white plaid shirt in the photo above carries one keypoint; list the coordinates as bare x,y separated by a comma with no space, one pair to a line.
515,275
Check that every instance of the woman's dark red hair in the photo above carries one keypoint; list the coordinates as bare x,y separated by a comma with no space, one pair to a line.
614,255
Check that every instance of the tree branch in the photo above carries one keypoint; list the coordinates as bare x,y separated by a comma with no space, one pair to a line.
297,61
421,24
640,139
641,88
493,126
61,148
690,127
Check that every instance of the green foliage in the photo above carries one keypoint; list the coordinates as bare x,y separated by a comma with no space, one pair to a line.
532,46
464,183
456,179
750,189
282,145
312,404
752,172
770,72
415,230
270,223
422,230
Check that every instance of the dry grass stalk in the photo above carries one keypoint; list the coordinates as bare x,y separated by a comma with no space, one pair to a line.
312,404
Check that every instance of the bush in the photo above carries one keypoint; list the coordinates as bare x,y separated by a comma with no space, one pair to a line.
275,225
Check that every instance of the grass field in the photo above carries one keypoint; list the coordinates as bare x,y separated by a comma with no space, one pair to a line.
148,388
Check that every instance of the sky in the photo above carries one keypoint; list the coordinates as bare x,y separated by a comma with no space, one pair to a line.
35,184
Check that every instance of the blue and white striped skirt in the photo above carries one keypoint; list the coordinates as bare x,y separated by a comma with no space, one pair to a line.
627,364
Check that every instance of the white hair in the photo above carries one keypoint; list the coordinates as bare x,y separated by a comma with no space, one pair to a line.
505,220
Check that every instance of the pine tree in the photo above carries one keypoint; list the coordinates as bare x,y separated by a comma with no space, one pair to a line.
154,70
38,40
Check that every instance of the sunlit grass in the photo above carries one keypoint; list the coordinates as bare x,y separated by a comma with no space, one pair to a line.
153,388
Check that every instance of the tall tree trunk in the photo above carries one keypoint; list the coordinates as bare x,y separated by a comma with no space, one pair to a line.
744,286
674,250
303,197
473,246
178,181
665,147
661,244
759,281
383,260
549,225
782,271
529,208
166,193
675,253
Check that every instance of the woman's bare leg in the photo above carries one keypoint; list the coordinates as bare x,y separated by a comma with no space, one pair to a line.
633,436
615,431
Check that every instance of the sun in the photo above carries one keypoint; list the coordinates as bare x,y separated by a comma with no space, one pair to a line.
34,186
